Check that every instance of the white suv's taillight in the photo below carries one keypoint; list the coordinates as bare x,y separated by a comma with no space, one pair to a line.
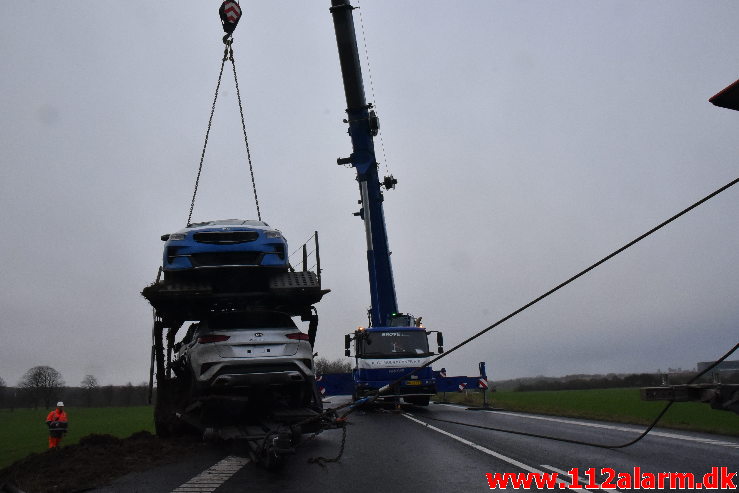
212,338
298,336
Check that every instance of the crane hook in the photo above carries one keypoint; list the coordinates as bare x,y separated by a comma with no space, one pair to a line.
230,13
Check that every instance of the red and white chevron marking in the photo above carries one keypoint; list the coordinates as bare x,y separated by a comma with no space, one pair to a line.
482,383
232,11
462,386
321,389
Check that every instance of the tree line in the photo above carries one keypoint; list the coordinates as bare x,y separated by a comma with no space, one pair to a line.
596,382
44,386
584,382
325,366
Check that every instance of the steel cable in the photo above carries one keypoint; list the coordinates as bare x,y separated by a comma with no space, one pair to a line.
352,406
568,281
372,85
301,246
377,394
228,54
243,127
590,444
207,132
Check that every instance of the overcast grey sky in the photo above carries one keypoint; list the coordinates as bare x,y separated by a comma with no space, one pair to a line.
529,140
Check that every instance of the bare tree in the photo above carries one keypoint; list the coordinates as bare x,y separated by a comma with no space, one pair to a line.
42,383
89,384
2,392
324,366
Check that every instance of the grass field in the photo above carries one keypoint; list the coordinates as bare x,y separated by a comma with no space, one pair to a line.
620,405
24,431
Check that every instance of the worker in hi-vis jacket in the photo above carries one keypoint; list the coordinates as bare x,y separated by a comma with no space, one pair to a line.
57,423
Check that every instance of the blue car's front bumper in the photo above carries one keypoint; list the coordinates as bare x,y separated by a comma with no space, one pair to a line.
186,254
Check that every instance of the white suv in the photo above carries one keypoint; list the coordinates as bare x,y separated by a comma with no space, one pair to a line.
260,357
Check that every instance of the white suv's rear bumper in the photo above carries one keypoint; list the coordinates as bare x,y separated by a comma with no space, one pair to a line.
256,379
258,372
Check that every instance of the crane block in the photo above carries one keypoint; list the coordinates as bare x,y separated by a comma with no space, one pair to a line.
230,13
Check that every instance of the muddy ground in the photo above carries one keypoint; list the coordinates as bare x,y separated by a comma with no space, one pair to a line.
94,461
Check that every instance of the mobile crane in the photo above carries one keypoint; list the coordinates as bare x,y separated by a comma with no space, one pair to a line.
394,343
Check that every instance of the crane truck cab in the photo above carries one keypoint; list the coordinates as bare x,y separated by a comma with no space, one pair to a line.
384,354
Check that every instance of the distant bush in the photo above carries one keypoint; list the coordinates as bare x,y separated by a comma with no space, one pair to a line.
595,382
324,366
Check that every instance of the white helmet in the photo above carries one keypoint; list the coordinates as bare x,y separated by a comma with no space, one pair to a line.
60,404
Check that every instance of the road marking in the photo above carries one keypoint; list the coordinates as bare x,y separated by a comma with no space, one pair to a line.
482,449
581,479
707,441
213,477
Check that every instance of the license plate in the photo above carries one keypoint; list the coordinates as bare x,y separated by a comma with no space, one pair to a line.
413,382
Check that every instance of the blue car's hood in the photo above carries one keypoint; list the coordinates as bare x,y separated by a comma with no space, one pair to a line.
227,224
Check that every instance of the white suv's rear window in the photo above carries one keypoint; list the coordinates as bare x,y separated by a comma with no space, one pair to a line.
257,320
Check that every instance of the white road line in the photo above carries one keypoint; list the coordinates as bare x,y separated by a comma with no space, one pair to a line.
482,449
581,479
213,477
707,441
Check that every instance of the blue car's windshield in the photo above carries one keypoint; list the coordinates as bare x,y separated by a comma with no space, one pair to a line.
232,222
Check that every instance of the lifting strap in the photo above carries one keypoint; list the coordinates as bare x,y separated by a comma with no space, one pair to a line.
228,55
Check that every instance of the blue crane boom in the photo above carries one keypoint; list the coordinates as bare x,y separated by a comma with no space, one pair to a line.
363,126
394,344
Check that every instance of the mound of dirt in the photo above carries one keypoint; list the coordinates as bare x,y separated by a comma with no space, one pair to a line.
94,461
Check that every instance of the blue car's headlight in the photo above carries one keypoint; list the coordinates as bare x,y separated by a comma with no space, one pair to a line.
272,234
176,236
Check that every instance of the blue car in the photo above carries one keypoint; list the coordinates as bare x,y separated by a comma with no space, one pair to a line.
214,249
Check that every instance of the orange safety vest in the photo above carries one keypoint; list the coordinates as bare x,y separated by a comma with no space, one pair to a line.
57,415
57,422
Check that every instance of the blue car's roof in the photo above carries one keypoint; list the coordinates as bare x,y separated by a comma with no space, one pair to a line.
228,222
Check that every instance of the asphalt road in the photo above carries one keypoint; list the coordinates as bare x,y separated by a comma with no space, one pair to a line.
408,452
